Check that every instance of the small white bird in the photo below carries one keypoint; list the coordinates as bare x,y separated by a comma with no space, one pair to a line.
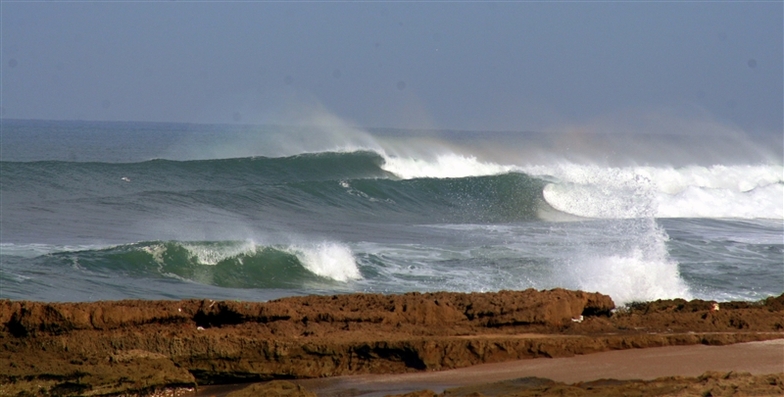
126,179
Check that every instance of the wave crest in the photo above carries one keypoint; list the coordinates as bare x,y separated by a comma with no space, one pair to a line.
234,264
449,165
741,191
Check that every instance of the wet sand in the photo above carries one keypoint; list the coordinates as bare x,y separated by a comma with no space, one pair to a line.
757,358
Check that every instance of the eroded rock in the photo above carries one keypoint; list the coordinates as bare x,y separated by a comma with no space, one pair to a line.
104,348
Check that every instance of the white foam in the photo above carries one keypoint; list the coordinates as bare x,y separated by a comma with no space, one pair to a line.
637,268
600,200
328,259
739,178
449,165
212,254
740,191
632,278
762,202
156,251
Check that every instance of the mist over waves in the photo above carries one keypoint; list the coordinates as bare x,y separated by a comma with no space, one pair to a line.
118,210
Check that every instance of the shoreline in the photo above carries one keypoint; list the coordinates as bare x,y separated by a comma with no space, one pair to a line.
692,365
755,358
139,347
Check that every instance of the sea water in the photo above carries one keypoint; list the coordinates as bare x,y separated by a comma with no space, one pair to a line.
109,210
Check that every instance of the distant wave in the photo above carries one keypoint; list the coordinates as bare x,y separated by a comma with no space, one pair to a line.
330,185
738,191
448,187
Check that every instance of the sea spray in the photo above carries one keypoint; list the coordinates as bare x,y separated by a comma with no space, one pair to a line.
440,212
607,201
737,191
630,260
214,253
328,259
634,266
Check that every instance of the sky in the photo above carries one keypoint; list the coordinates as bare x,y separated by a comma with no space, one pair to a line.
659,67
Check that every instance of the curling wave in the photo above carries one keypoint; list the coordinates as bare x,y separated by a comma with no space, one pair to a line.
365,184
220,263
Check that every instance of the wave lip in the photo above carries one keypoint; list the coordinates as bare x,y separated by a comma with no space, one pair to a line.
375,185
328,259
449,165
232,264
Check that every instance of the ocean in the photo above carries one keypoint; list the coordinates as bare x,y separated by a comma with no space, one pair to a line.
128,210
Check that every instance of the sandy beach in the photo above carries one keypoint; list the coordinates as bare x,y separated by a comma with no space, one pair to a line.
756,358
368,344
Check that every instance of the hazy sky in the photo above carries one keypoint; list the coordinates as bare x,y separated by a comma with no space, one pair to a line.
453,65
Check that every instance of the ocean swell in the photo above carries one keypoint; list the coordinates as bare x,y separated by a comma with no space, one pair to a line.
232,264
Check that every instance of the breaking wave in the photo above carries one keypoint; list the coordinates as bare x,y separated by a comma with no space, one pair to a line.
234,264
449,187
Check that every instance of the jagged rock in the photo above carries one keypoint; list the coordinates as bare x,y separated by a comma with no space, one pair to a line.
110,347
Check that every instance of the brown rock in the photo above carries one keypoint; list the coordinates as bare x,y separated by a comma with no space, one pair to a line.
110,347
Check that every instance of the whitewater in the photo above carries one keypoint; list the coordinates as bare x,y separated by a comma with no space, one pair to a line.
171,211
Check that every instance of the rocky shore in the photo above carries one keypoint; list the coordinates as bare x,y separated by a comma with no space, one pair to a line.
140,347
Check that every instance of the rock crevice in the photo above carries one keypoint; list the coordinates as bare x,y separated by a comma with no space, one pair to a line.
103,348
